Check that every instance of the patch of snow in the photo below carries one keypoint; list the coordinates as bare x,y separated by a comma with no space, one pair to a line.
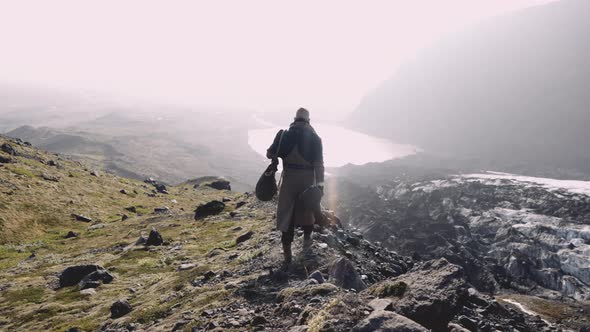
573,186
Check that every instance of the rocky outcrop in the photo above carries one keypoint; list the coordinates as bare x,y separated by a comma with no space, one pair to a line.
73,275
345,275
220,184
384,321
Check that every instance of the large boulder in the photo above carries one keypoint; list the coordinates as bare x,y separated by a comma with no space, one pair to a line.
209,209
74,274
430,294
343,274
387,321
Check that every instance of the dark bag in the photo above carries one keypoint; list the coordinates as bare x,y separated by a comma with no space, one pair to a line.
266,187
311,199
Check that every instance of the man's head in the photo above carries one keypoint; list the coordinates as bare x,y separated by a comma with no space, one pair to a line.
302,115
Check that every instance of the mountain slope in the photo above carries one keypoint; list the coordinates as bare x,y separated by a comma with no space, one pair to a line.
512,90
220,272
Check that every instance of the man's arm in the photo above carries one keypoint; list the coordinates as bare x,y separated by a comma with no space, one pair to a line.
318,164
271,152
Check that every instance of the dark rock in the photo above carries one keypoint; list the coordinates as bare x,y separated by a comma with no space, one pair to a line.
5,160
74,329
209,209
8,149
388,321
180,325
258,320
161,188
154,239
240,204
317,275
74,274
124,217
208,275
80,217
233,214
93,279
95,173
220,185
162,210
52,163
343,274
132,209
120,309
244,237
71,234
467,322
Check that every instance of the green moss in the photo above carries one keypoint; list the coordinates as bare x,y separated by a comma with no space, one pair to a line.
21,171
68,295
10,257
27,295
388,288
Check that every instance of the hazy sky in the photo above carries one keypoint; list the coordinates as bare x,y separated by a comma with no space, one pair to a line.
250,54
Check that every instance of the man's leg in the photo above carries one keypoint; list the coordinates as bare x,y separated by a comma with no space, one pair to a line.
307,230
287,239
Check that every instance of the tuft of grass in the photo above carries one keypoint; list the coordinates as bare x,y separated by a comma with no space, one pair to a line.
309,291
21,171
388,288
68,295
317,322
26,295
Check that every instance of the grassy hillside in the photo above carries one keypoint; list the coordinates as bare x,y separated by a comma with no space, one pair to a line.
36,214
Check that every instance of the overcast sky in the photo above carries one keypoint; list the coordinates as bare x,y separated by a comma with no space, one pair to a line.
259,55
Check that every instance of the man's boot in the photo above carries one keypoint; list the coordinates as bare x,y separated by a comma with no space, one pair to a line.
307,245
287,254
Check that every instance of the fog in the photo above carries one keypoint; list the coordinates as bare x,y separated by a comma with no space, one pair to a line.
255,55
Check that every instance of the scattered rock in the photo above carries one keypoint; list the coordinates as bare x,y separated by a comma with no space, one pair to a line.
244,237
381,304
96,226
81,217
209,209
258,320
120,309
52,163
186,266
8,149
162,210
48,177
226,199
388,321
220,185
344,275
93,279
161,188
154,239
5,160
124,217
317,275
71,234
141,240
95,173
88,292
240,204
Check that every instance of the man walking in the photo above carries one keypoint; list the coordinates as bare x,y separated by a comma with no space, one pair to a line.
300,149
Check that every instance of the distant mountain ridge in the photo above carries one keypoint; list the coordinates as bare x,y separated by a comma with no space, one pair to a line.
512,89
